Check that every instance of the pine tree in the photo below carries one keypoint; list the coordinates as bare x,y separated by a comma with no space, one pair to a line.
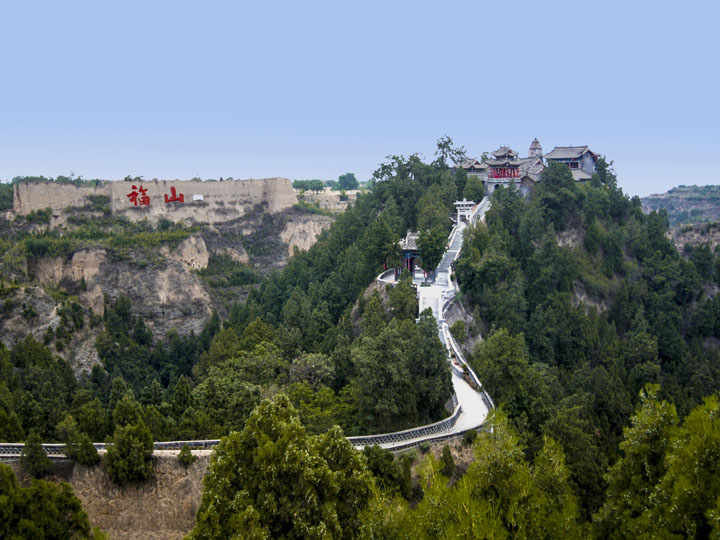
34,460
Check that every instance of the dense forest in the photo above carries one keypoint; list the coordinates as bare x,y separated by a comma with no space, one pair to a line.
599,347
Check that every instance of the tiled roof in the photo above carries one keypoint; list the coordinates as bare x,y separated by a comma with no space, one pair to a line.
580,175
504,151
410,241
567,152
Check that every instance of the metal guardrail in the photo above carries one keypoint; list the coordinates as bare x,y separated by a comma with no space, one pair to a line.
57,450
408,434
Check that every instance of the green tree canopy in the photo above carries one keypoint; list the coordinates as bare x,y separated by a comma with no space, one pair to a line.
347,181
273,480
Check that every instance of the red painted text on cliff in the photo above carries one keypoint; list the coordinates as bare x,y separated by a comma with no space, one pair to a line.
139,199
174,197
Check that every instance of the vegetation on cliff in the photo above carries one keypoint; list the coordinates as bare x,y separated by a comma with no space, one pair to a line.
43,510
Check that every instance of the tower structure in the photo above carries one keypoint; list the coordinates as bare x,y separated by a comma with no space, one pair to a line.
535,149
505,164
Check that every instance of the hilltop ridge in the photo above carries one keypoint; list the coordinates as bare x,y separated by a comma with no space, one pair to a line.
686,204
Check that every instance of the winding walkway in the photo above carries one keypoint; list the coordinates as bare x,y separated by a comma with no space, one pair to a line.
471,403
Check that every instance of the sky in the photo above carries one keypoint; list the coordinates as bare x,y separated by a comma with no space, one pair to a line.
309,89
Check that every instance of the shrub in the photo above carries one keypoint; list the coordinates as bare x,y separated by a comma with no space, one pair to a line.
469,437
459,331
185,457
85,451
129,453
34,460
424,447
447,461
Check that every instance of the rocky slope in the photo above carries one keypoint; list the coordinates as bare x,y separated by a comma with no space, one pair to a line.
687,204
170,286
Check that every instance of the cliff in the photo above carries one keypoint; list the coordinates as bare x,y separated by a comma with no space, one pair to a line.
176,285
163,508
687,204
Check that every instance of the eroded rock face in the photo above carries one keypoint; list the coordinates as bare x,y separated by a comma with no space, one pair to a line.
191,253
303,232
32,312
163,508
167,294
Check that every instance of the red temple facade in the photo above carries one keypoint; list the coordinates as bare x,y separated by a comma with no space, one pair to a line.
505,164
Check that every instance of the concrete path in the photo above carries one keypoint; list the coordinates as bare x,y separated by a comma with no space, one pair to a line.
437,296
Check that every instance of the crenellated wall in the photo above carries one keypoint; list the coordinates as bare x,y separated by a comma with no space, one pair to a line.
207,202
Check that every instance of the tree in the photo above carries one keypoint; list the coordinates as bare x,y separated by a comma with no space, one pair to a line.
127,411
432,247
78,446
433,211
34,460
316,369
633,478
273,480
448,463
403,298
461,178
474,190
687,495
557,193
347,181
42,510
129,453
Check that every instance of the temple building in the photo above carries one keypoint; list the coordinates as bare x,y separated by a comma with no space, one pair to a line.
473,167
580,159
504,167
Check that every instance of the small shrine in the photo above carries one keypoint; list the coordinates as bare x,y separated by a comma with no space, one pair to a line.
410,251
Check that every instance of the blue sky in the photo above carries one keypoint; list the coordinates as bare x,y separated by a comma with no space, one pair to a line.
316,89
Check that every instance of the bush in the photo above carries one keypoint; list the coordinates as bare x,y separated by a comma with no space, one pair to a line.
459,331
41,510
34,460
85,451
185,456
78,446
129,453
469,437
424,447
447,461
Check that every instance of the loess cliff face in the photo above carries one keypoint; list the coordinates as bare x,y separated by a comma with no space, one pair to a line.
170,287
162,508
302,233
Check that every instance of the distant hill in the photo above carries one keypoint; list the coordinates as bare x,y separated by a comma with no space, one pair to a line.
687,204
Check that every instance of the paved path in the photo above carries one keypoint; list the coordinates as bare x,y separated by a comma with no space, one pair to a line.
437,296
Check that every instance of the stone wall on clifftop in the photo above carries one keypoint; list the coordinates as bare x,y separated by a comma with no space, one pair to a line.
202,202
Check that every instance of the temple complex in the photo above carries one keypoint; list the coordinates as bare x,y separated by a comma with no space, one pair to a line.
504,167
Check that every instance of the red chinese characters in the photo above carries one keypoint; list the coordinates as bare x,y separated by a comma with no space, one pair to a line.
139,196
174,197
